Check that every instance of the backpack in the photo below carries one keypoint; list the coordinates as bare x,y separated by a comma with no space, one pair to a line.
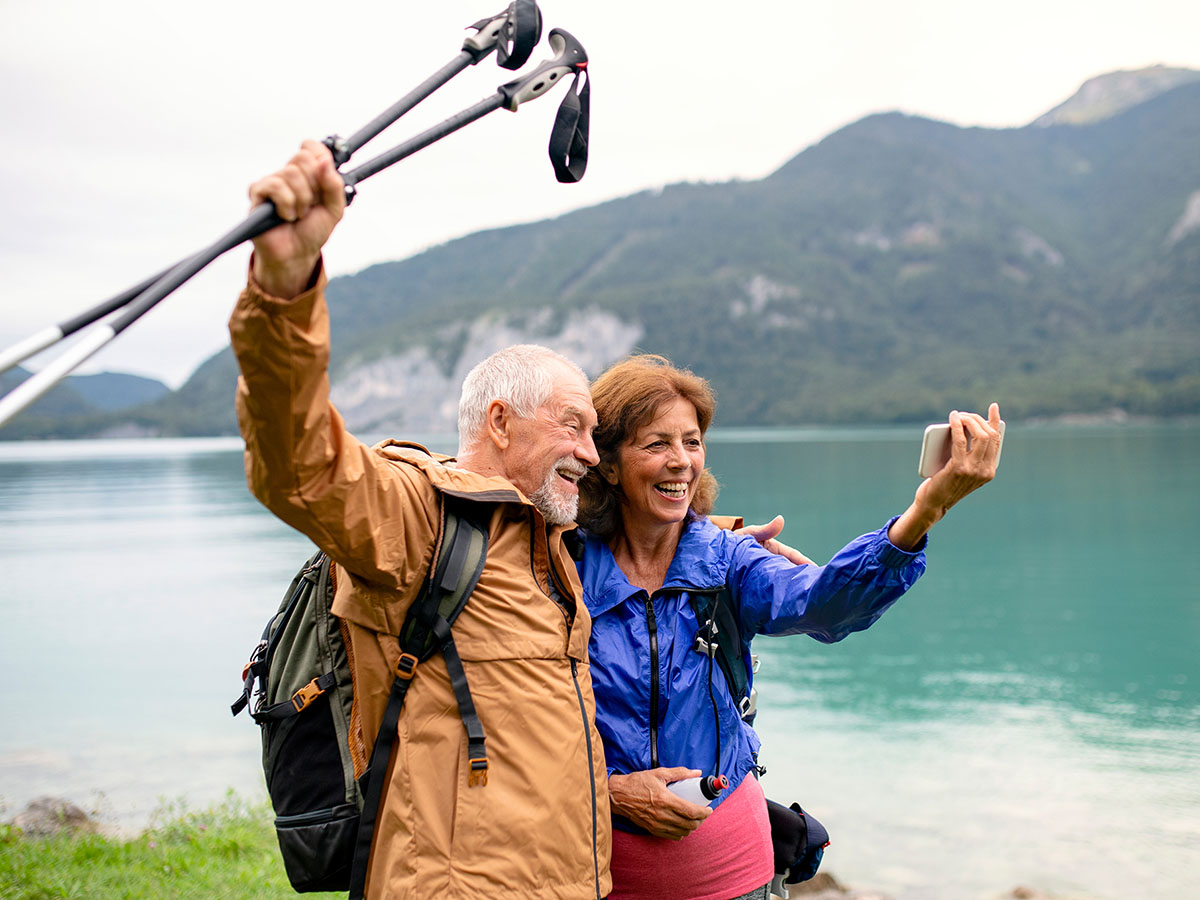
798,840
325,817
720,639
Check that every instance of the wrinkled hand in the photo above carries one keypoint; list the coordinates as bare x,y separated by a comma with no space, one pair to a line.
310,196
766,534
967,471
643,798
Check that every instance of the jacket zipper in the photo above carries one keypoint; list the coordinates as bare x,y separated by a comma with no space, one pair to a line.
652,626
551,577
557,588
587,734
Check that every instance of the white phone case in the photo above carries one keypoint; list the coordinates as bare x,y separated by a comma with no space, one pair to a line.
935,448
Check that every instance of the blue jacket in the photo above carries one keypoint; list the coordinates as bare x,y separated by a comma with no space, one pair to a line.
653,705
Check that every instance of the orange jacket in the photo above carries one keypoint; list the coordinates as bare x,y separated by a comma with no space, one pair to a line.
540,827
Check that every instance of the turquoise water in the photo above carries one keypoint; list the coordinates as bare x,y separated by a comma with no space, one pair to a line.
1028,714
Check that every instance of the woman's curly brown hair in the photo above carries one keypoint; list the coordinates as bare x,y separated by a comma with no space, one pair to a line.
627,397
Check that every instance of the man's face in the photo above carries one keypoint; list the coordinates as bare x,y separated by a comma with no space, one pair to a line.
551,451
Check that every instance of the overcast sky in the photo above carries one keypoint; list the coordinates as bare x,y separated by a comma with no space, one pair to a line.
129,130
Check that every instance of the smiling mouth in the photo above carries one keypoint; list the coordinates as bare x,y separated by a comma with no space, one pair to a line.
570,474
674,490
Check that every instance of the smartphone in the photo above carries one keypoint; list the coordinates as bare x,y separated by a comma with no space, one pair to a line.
935,448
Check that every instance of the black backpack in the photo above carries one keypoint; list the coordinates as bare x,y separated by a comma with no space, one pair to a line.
798,840
324,816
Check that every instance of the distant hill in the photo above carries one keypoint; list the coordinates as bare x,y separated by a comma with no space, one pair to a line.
1105,96
117,390
899,268
87,404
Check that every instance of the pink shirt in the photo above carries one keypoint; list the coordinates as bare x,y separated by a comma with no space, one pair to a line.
728,855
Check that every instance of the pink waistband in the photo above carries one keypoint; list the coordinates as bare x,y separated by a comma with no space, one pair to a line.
727,856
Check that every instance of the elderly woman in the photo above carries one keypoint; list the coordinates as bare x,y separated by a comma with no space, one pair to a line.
647,549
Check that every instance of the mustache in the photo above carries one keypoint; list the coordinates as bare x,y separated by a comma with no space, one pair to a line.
572,465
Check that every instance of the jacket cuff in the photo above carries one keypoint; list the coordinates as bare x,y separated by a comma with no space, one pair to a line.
299,307
892,556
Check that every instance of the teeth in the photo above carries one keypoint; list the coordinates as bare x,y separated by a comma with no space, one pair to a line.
673,487
571,475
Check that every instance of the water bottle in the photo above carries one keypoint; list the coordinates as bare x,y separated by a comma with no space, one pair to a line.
701,790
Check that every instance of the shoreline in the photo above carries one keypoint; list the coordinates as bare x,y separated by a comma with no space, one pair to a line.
50,818
1114,417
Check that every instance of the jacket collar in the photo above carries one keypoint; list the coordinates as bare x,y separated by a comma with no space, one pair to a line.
699,565
447,478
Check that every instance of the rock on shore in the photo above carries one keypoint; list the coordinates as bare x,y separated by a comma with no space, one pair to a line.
45,816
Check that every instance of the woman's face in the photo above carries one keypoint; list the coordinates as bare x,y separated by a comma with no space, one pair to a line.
659,468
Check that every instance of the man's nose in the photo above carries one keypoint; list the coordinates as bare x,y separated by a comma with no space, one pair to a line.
585,450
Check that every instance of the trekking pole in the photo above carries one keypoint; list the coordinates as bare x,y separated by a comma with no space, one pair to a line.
570,59
570,129
512,33
48,337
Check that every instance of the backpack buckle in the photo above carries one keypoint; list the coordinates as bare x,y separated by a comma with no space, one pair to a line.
304,697
479,772
703,647
406,666
257,655
707,646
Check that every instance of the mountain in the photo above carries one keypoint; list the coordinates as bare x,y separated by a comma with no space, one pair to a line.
82,404
1104,96
897,269
117,390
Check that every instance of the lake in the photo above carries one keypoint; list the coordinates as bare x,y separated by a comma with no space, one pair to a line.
1028,714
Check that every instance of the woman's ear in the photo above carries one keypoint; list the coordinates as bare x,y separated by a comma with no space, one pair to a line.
608,472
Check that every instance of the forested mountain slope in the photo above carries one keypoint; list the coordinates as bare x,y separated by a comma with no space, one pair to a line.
897,269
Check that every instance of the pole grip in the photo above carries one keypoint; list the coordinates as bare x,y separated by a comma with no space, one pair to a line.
569,58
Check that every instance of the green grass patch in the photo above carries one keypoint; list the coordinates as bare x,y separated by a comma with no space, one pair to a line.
228,851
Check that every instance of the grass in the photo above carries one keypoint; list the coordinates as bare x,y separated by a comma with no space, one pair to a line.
228,851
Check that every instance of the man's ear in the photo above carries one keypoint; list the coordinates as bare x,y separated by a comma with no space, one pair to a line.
499,424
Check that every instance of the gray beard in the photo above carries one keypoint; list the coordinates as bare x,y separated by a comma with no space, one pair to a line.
556,508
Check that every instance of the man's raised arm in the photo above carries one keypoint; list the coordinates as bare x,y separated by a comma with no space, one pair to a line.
301,463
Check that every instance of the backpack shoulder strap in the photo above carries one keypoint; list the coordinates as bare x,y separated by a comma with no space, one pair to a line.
458,563
426,628
453,576
722,639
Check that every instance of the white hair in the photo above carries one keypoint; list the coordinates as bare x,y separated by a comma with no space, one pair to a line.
522,376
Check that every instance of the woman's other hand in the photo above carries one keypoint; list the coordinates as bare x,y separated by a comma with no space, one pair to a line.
967,471
643,798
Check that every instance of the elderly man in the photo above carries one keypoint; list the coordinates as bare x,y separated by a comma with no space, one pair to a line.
539,827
